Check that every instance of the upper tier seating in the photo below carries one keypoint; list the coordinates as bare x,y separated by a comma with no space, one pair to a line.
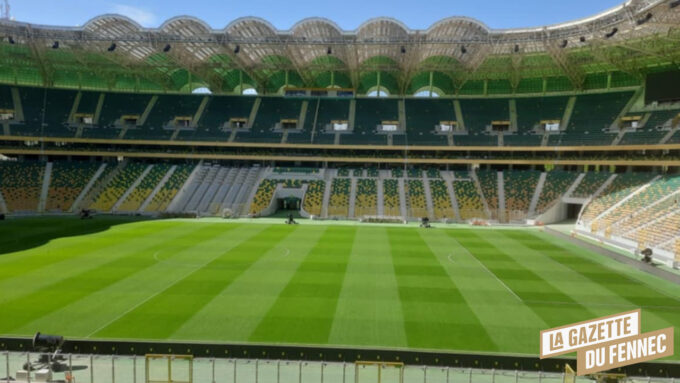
652,132
441,200
415,195
590,184
20,184
328,110
556,184
391,201
313,200
369,114
271,111
338,206
530,113
366,202
115,189
520,187
213,125
422,117
172,186
620,188
135,200
67,181
593,113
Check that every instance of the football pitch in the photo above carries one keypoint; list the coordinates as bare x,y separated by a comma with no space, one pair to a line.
460,288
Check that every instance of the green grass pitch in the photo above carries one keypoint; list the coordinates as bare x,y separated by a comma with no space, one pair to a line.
324,284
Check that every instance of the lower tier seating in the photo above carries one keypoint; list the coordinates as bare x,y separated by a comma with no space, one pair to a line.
441,200
391,201
338,206
115,189
366,201
135,200
67,181
21,184
313,200
172,186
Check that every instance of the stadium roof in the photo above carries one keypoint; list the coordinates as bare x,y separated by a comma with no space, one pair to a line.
457,55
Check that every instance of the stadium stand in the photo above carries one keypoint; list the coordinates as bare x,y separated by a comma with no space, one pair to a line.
116,105
415,198
488,180
556,185
391,200
118,185
441,200
271,111
172,186
366,202
135,199
620,188
369,114
656,190
338,206
592,115
519,189
590,184
470,204
326,111
214,123
20,185
422,117
67,181
263,196
313,200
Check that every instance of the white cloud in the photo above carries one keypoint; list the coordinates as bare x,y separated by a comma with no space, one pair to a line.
140,15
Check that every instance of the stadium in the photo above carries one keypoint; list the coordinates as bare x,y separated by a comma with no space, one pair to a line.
248,204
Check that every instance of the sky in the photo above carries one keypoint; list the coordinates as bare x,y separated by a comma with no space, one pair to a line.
283,14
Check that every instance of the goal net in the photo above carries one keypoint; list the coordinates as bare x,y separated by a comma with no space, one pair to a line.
378,372
165,368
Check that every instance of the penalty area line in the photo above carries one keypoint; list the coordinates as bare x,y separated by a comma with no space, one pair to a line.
490,272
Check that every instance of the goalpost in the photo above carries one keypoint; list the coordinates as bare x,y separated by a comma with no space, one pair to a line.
569,374
167,368
387,372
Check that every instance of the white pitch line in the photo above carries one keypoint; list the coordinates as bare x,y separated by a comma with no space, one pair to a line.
450,258
287,253
154,295
489,271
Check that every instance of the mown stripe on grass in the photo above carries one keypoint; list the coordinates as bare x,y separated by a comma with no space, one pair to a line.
486,296
161,316
435,313
369,310
179,253
236,311
85,253
493,252
64,291
305,309
619,285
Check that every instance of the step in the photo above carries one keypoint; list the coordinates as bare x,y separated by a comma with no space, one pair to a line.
129,191
45,187
158,187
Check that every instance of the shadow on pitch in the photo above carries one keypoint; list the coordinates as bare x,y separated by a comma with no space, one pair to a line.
18,234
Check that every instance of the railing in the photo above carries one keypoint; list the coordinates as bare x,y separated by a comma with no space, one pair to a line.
134,369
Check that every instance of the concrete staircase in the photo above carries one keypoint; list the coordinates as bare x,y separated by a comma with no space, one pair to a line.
501,198
45,187
352,196
206,180
402,199
98,187
448,180
222,191
87,187
184,194
537,194
478,186
330,174
214,186
428,198
381,195
247,191
158,187
131,188
3,205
